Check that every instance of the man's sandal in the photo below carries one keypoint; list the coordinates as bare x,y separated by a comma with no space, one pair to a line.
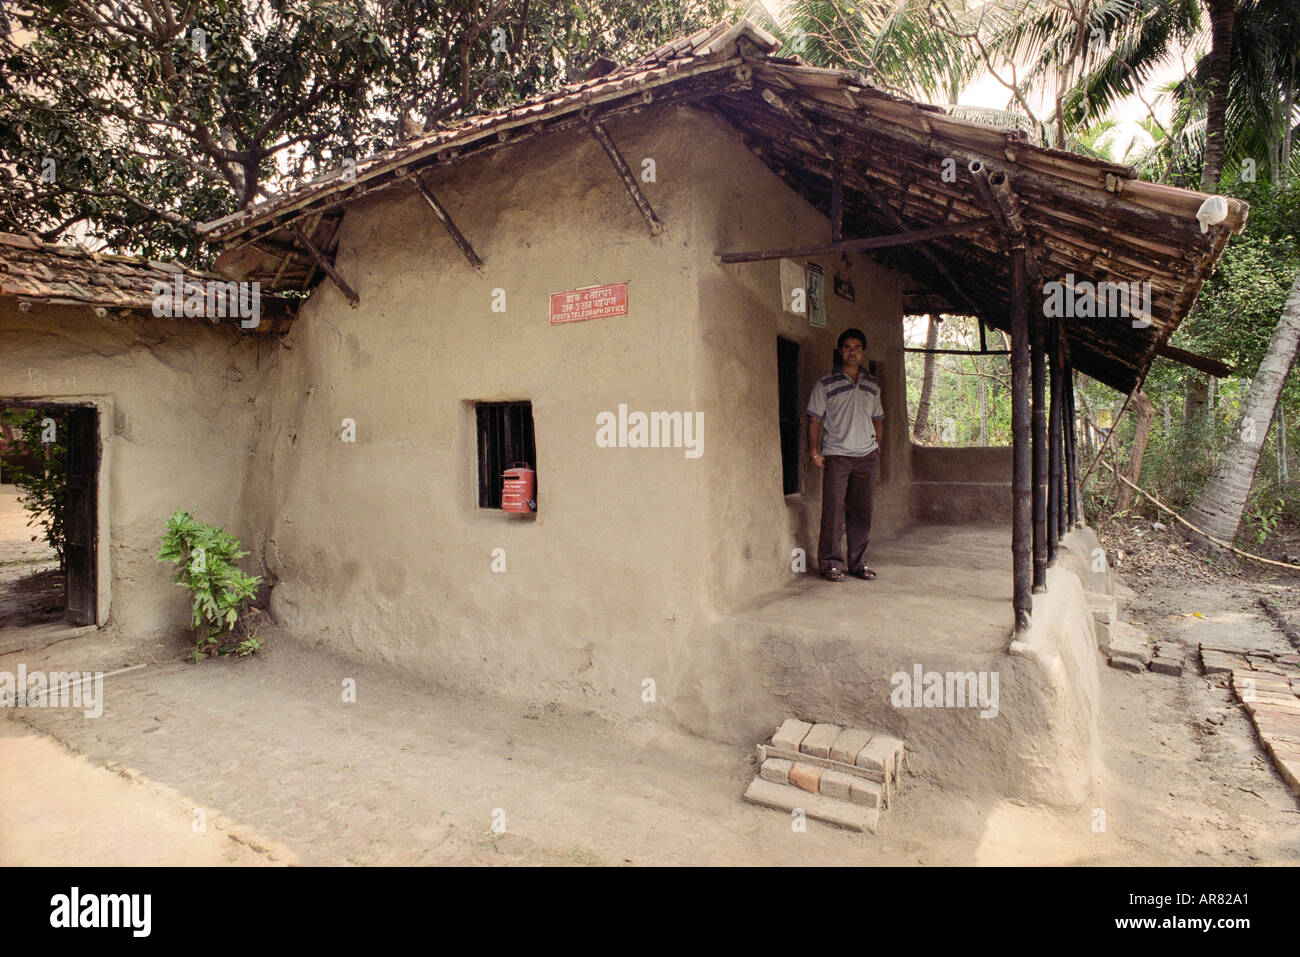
833,575
866,574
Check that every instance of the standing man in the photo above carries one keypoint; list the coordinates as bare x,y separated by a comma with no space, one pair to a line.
846,424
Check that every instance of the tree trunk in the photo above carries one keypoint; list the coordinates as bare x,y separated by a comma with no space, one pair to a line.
1222,13
1287,128
1081,392
1196,395
1146,413
1217,508
1283,472
921,428
984,411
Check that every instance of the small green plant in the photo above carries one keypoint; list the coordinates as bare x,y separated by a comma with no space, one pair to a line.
206,558
1266,516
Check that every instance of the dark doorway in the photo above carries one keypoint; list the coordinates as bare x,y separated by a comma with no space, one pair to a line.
81,514
787,379
49,476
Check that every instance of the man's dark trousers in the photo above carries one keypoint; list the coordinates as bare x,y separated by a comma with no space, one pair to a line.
848,491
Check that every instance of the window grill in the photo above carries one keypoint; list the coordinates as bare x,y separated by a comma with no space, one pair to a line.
505,439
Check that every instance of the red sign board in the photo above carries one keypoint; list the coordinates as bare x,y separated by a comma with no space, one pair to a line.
594,302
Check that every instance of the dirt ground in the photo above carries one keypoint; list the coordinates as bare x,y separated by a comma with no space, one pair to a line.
281,769
31,588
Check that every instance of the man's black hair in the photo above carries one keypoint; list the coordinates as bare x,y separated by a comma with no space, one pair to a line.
851,334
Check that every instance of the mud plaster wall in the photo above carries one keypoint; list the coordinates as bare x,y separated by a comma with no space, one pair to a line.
379,546
753,527
178,413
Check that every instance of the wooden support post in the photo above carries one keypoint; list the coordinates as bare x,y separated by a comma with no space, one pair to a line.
1062,370
625,174
353,299
1071,451
444,217
1038,374
1055,500
1021,481
1071,447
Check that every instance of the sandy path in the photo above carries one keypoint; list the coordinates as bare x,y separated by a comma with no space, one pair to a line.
58,809
410,774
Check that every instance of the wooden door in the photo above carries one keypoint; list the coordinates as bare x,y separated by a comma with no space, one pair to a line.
82,427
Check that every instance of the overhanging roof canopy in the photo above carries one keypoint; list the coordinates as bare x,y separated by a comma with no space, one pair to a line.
875,163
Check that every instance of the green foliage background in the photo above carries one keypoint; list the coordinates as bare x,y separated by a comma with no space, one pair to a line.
44,490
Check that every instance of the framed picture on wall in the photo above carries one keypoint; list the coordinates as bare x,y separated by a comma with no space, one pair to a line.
815,283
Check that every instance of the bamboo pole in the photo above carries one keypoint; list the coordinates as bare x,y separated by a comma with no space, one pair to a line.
1055,500
1071,448
1038,385
1021,519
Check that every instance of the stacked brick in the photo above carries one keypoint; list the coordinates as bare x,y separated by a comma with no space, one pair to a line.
1268,687
1129,649
842,776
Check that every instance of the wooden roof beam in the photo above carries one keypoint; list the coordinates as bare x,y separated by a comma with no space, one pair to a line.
1201,363
932,259
444,217
353,299
800,122
850,245
602,137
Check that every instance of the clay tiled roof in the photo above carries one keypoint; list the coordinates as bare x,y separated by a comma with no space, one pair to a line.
33,271
669,62
899,167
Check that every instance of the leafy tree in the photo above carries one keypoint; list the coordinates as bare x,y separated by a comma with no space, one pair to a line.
129,122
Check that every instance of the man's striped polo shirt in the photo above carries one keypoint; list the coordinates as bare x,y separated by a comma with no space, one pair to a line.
847,411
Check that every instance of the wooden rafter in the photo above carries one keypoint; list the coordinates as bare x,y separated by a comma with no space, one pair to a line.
444,217
849,245
323,262
602,137
932,259
1202,363
837,201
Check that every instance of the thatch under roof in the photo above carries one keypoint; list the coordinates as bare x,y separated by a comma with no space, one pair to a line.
896,165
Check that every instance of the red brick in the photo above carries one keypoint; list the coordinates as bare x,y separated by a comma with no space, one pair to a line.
1289,768
806,776
1285,725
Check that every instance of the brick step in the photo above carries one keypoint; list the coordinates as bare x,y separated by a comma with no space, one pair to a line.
787,797
847,775
876,755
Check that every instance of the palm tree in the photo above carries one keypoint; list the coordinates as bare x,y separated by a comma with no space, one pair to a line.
909,47
1218,507
1222,13
1263,99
